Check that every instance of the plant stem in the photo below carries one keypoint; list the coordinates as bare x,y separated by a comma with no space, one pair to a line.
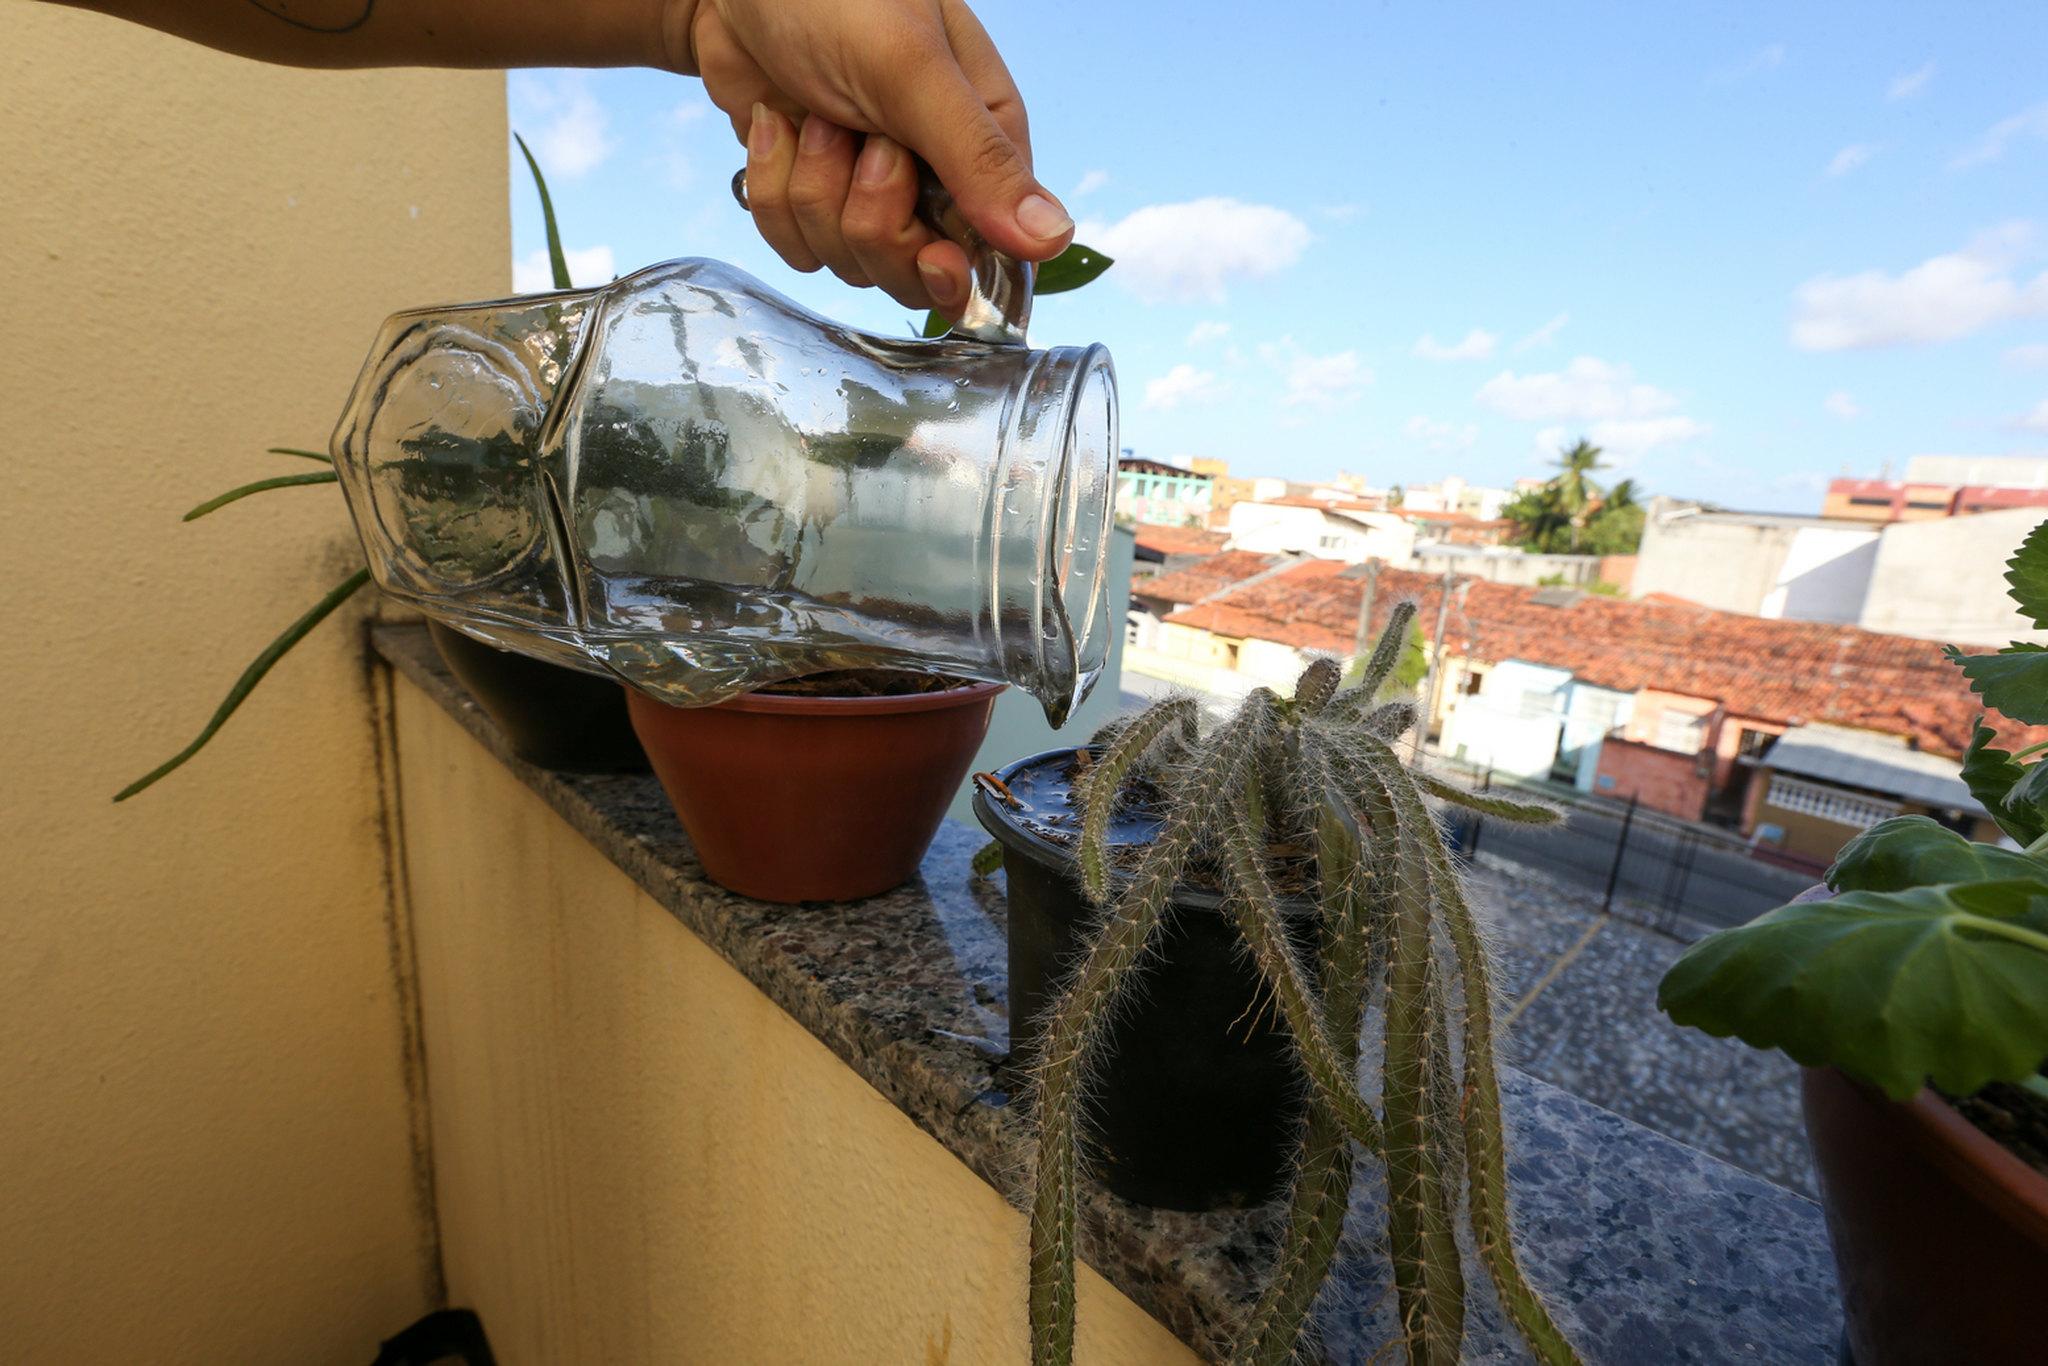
282,481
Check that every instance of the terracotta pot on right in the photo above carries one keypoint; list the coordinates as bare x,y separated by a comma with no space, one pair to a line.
814,798
1940,1234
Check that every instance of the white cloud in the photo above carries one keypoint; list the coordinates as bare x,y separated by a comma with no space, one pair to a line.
1941,299
2035,421
1850,157
1586,390
1477,344
564,124
1314,381
1842,405
1442,437
587,266
1208,330
1544,335
1090,182
1182,384
2028,123
1764,59
2032,356
1167,253
1912,83
1338,213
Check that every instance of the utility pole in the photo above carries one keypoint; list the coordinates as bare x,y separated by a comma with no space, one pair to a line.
1436,660
1361,640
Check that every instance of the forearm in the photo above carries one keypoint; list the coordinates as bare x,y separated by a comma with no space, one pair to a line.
451,33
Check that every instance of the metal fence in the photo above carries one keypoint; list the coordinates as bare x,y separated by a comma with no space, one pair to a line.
1669,875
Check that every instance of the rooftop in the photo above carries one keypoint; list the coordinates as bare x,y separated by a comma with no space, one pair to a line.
1875,763
1786,672
1157,539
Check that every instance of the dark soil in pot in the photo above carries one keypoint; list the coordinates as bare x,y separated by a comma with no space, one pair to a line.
1199,1101
553,717
792,796
1940,1233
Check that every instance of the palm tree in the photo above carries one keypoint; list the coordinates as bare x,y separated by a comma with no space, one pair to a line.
1576,491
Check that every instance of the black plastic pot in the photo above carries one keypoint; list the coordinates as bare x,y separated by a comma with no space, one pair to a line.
554,717
1197,1100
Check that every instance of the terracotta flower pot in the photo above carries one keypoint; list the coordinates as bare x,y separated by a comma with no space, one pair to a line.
553,717
814,798
1940,1234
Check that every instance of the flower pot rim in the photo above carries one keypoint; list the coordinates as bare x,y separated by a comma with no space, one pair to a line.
772,704
997,819
1940,1131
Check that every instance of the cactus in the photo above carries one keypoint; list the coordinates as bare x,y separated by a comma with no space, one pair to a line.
1316,771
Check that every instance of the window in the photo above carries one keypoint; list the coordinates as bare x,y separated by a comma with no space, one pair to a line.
1754,744
1828,803
1927,507
1678,732
1870,502
1230,648
1472,682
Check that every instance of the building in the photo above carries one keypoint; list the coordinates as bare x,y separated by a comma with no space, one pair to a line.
1453,494
1819,785
1938,486
1943,579
1163,494
1760,564
1458,528
1663,701
1349,531
1163,549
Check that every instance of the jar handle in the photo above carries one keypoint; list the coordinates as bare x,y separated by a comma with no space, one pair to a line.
998,306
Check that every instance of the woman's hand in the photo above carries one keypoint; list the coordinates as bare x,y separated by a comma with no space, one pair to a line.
827,95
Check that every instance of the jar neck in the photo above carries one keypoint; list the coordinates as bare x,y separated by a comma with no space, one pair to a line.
1048,545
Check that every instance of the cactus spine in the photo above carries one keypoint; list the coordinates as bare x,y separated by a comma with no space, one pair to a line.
1316,771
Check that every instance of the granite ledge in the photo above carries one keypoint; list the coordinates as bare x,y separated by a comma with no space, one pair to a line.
1648,1251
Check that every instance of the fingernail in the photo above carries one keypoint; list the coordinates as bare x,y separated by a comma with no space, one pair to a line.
877,162
761,133
1042,218
940,282
817,134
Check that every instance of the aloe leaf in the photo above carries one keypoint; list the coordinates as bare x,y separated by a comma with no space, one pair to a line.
1948,983
1916,851
251,676
557,262
282,481
2027,572
303,454
2012,681
1071,269
1994,778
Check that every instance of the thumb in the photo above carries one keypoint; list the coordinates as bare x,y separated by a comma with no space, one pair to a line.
944,121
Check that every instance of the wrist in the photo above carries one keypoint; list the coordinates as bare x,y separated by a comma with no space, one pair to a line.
674,49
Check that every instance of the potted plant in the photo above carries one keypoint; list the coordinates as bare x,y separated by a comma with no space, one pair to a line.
1293,838
1914,989
552,716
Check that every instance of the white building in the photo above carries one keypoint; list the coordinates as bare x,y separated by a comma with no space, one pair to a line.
1453,494
1944,579
1326,531
1761,564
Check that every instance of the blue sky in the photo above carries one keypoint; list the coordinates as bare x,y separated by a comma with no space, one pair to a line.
1745,247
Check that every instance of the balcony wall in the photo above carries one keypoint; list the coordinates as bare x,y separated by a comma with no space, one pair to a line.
206,1150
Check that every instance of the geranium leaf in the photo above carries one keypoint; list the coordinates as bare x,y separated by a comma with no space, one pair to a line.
1948,983
1915,851
2027,572
2014,681
1993,777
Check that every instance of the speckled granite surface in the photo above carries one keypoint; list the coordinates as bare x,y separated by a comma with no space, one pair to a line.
1649,1251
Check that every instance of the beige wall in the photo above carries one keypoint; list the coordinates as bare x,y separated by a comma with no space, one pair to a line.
641,1158
205,1144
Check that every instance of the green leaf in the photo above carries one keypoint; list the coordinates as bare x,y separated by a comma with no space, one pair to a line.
1071,269
2027,572
936,324
1994,778
321,456
557,262
1893,987
987,859
282,481
251,676
1916,851
2014,681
